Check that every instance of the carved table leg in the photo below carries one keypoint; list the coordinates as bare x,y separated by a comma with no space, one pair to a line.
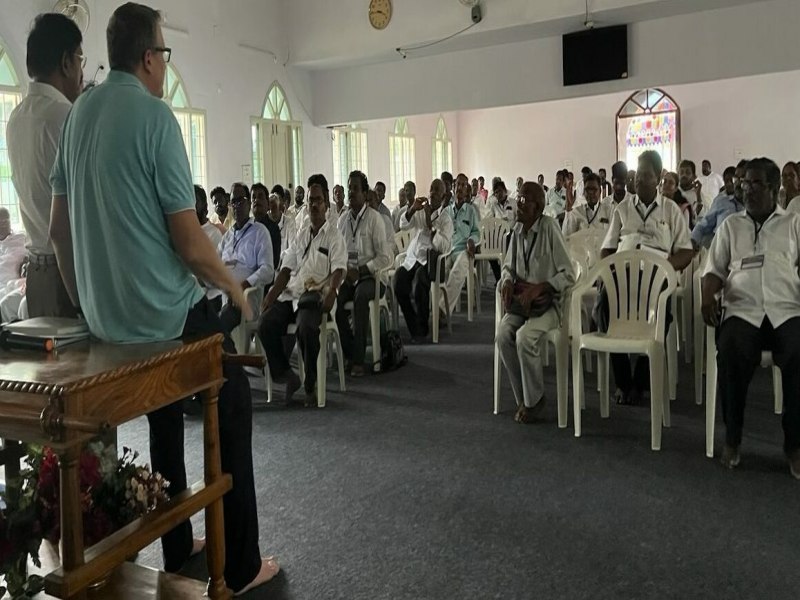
71,515
215,526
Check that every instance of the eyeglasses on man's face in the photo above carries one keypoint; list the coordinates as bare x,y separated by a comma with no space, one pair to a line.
167,52
82,58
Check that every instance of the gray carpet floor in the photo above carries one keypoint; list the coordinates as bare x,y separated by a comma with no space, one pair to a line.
408,487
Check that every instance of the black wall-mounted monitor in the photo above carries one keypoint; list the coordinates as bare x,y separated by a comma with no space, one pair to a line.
595,55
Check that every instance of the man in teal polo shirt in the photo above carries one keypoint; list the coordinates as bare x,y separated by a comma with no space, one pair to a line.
130,250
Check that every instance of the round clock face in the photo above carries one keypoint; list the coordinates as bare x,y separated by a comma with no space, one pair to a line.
380,13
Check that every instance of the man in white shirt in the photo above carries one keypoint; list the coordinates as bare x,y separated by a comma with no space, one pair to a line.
691,187
201,206
448,181
754,262
605,186
317,256
466,237
397,212
619,180
55,63
380,190
712,182
536,271
374,204
585,172
221,201
432,229
246,250
556,198
651,222
367,255
592,215
12,250
540,179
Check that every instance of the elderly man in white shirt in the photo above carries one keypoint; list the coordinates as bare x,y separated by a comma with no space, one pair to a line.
55,63
368,254
754,261
650,222
536,272
317,257
246,249
592,215
432,229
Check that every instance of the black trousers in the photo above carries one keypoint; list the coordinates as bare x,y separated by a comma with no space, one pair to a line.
242,554
272,328
414,282
354,341
739,347
231,317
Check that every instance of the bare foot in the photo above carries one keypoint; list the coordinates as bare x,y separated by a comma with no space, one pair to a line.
269,568
198,544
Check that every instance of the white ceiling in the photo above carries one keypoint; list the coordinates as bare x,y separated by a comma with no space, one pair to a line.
327,34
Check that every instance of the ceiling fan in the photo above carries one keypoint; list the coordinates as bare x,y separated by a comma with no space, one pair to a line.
77,10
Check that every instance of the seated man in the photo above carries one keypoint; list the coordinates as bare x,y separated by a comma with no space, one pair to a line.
399,210
592,215
286,224
619,180
374,204
647,221
432,229
556,199
367,254
380,190
316,256
536,272
754,262
337,209
201,207
221,201
246,249
466,235
261,211
724,205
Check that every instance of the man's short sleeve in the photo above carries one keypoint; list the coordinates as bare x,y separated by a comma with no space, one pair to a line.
172,176
58,174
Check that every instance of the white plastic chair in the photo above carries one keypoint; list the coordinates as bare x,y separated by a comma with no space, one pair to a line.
683,308
559,338
439,289
698,329
328,333
493,247
242,334
402,239
711,387
637,300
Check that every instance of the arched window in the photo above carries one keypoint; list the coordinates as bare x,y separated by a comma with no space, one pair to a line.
10,96
649,120
192,123
402,155
276,142
349,152
442,149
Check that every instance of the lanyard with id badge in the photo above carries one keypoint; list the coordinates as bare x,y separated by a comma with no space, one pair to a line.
756,261
352,249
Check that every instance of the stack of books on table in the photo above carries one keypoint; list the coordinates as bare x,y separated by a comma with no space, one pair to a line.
43,333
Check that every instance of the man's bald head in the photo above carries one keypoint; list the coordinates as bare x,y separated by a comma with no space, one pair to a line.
530,204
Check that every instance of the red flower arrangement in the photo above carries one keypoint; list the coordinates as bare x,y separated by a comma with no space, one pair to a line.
114,491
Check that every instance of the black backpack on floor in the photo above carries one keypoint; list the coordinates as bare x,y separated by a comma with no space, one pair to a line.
393,356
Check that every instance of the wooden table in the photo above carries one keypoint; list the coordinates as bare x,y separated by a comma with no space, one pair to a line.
66,398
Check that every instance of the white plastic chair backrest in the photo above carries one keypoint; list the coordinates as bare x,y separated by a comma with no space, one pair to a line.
493,236
582,250
402,239
638,284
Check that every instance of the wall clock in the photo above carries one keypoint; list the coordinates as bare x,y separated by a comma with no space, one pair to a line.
380,13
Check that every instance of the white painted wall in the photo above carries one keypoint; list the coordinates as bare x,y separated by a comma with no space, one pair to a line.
756,115
227,81
732,42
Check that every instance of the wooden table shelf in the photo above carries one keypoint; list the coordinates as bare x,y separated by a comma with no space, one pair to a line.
65,399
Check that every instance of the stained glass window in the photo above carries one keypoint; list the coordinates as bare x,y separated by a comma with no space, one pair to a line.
10,96
649,120
192,123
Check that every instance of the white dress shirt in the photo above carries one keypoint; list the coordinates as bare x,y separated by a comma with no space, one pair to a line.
660,227
712,184
247,252
505,212
33,133
12,255
397,214
759,267
312,258
794,205
213,233
609,200
555,201
288,228
439,237
584,217
365,238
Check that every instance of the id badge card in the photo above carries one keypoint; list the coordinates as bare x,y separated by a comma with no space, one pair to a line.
753,262
230,263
